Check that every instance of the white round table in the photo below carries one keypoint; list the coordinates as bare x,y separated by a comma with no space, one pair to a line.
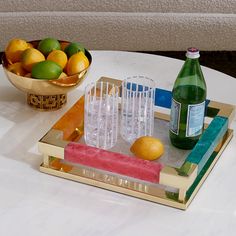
33,203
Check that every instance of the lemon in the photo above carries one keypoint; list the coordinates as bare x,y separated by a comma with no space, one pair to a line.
47,70
62,75
77,63
30,57
73,48
14,49
17,69
147,148
59,57
30,45
48,44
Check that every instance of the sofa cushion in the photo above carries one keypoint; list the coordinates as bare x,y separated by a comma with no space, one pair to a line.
161,6
147,25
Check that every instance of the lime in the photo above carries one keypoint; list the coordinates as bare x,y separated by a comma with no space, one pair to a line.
48,44
46,70
73,48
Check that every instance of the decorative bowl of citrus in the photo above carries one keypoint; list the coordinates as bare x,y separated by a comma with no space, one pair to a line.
46,70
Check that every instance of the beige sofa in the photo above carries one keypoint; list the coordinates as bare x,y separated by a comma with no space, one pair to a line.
136,25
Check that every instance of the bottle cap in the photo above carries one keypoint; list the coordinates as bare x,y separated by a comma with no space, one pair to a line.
192,53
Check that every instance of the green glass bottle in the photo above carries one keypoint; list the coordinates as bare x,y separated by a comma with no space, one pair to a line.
188,103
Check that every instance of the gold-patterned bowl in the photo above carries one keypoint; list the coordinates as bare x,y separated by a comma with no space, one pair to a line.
46,95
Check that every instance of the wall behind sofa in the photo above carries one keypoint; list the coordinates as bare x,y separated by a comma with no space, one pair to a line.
135,25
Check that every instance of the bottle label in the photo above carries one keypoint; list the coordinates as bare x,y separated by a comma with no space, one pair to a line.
195,119
175,116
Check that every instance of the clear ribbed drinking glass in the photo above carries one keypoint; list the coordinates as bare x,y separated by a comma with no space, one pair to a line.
137,107
101,115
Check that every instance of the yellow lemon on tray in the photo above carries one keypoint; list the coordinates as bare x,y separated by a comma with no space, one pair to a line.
14,50
77,63
30,57
147,148
59,57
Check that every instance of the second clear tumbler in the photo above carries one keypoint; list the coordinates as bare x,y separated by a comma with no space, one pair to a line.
137,108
